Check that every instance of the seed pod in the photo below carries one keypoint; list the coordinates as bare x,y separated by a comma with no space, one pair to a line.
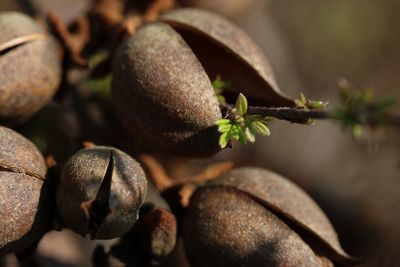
100,192
22,173
161,87
149,242
30,70
253,217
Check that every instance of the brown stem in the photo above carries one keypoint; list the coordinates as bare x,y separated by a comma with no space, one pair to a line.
74,43
297,115
156,8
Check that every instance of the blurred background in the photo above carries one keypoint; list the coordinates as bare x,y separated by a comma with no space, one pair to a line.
311,44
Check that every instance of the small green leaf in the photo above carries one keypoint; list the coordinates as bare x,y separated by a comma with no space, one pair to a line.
241,104
316,105
234,132
249,135
224,139
301,102
222,122
260,127
218,84
221,99
224,128
303,98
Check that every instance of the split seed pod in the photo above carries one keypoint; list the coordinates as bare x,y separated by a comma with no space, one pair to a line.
100,193
162,88
253,217
22,174
30,70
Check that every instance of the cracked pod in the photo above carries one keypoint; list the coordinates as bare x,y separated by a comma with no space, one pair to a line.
162,90
22,173
253,217
30,70
100,193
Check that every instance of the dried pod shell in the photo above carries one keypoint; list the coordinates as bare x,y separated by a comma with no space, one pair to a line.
234,230
30,71
162,93
22,173
100,192
267,208
287,199
226,50
162,90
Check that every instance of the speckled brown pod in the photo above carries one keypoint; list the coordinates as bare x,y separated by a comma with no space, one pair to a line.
253,217
161,87
22,173
30,70
100,192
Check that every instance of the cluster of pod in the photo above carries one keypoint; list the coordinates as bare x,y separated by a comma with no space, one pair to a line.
161,84
246,217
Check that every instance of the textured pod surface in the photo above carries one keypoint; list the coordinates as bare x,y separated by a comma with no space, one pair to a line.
287,199
22,171
226,50
100,192
30,70
18,154
162,93
225,227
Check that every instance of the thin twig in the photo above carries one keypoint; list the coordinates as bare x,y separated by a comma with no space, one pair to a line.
297,115
74,43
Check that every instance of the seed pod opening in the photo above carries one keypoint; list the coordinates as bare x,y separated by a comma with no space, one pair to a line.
100,193
258,197
30,71
224,49
22,210
162,88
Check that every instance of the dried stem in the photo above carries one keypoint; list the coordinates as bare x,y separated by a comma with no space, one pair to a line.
74,43
297,115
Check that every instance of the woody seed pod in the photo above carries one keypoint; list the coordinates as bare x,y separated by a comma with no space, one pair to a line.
100,192
161,87
253,217
30,70
22,173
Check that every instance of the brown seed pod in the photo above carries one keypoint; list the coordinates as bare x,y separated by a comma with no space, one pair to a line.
149,242
22,174
253,217
161,87
100,192
30,70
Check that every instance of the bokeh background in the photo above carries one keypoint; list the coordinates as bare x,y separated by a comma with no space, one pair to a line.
311,44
